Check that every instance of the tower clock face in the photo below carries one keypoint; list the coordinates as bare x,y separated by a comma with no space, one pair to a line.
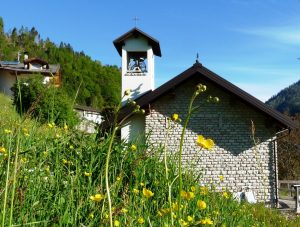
137,65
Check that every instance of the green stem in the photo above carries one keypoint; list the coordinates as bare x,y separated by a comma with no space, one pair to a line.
6,183
115,128
190,110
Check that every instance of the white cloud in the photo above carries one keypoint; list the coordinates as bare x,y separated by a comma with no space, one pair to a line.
289,34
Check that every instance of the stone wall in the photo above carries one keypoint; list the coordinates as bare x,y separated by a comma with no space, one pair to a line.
244,165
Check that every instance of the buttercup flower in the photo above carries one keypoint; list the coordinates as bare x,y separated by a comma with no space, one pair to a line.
116,223
133,147
97,197
193,188
205,143
87,174
124,210
141,220
221,178
147,193
226,195
7,131
201,204
175,117
190,218
183,222
136,191
2,150
206,221
127,92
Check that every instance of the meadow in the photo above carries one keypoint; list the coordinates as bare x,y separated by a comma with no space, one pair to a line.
58,176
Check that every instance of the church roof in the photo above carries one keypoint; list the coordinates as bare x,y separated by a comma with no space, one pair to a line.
135,32
198,70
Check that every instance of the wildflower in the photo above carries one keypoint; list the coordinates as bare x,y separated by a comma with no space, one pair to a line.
66,127
142,184
193,188
141,220
97,197
203,190
190,218
221,178
116,223
57,135
226,195
127,92
7,131
65,161
133,147
51,125
124,210
136,191
201,204
147,193
183,222
175,206
190,195
118,178
87,174
91,215
206,221
205,143
71,147
175,117
2,150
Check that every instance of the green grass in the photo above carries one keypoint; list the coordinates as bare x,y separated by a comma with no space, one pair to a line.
44,182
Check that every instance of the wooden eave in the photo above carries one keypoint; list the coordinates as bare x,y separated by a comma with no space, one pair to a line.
198,70
135,32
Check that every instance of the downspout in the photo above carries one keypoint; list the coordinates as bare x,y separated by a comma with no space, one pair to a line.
276,164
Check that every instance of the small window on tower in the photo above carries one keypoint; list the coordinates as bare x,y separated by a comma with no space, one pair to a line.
137,62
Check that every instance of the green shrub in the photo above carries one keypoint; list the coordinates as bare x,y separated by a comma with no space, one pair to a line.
43,101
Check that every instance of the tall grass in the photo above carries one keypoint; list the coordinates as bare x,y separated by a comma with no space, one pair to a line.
49,176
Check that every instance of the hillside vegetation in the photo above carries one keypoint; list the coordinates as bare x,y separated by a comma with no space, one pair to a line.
287,100
99,85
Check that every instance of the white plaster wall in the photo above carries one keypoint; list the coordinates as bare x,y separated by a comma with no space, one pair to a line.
6,82
134,128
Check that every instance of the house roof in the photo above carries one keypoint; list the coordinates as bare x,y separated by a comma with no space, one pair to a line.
86,108
20,67
135,32
198,70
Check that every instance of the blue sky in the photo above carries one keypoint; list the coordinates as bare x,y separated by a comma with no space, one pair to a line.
252,43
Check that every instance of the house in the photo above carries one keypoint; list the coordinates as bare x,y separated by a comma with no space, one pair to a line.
10,71
89,118
245,165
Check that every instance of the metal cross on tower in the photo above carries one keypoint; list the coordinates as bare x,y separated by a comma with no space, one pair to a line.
136,19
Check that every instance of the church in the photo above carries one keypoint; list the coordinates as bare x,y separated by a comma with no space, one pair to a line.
244,129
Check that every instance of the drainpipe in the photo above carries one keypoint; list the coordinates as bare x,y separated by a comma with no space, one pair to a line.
276,163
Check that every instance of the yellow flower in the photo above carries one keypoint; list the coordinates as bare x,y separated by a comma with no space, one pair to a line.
2,150
175,206
7,131
136,191
71,147
193,188
190,195
51,125
183,222
221,178
205,143
147,193
116,223
127,92
175,117
118,178
142,184
65,161
141,220
201,204
203,190
91,215
87,174
226,195
66,127
190,218
206,221
97,197
124,210
133,147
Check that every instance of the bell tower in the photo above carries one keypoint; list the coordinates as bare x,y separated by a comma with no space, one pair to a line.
137,50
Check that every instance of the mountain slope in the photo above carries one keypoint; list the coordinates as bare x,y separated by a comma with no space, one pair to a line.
287,100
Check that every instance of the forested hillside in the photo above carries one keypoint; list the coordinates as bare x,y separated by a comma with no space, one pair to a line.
99,85
288,100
